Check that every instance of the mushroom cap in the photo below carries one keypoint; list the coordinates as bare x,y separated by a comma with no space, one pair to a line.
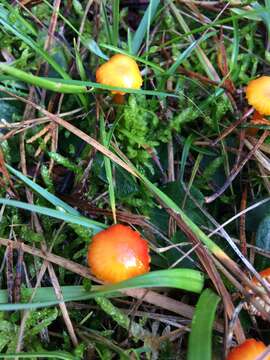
248,350
118,253
258,94
265,274
120,70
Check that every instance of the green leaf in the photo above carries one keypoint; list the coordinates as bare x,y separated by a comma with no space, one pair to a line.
200,338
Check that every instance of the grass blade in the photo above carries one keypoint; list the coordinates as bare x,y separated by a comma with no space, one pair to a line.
185,54
68,86
54,200
107,23
184,157
142,28
115,21
57,214
94,48
108,167
185,279
137,58
200,338
41,354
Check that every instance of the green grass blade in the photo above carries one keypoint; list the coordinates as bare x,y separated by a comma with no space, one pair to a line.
206,64
68,86
185,54
215,249
41,354
137,58
185,279
184,157
41,82
142,28
79,63
107,23
57,214
94,48
108,168
115,21
54,200
200,338
234,69
20,20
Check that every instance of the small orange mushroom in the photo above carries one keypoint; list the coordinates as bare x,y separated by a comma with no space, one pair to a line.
248,350
120,71
265,274
118,253
258,94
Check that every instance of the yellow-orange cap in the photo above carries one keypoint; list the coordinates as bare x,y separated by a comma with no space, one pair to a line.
248,350
258,94
118,253
120,70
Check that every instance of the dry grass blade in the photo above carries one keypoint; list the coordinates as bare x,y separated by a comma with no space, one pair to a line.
6,175
242,225
210,268
9,271
260,157
236,171
26,313
62,305
87,207
77,132
233,126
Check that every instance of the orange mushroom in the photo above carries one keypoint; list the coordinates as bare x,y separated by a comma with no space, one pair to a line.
248,350
118,253
265,274
121,71
258,94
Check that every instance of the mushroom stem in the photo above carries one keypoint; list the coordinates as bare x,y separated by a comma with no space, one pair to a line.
119,99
